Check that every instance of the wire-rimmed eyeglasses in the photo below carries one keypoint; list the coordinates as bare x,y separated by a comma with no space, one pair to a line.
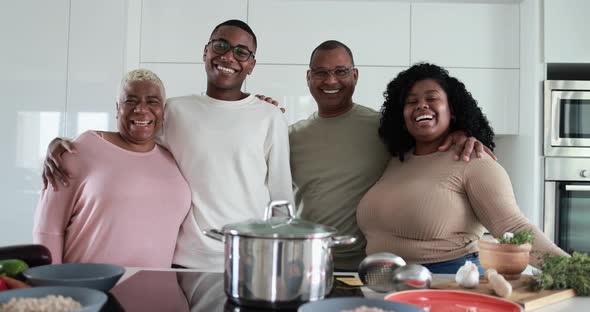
323,73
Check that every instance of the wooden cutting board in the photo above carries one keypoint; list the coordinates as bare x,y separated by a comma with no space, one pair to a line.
529,300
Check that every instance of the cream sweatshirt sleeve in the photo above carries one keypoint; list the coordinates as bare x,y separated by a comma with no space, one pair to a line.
276,147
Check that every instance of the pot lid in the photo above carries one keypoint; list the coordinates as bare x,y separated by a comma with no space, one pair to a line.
280,226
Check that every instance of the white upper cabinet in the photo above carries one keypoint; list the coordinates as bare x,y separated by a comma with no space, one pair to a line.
497,94
466,35
376,31
567,31
95,63
288,85
177,30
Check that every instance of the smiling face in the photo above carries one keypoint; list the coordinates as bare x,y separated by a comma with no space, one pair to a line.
225,74
427,114
140,110
332,95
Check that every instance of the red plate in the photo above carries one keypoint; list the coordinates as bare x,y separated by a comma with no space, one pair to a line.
453,301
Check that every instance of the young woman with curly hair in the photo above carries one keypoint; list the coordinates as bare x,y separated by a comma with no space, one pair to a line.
428,208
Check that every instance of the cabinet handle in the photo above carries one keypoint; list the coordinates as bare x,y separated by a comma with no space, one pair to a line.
574,188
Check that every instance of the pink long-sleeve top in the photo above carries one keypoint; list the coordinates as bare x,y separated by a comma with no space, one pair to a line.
121,207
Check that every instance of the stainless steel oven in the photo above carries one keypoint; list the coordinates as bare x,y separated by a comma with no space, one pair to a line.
567,118
567,202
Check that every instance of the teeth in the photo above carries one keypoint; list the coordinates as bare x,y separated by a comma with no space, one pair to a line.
141,123
226,69
424,117
331,91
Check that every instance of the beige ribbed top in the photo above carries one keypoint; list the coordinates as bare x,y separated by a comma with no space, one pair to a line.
432,208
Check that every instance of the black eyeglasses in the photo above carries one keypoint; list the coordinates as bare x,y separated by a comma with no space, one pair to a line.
338,73
220,46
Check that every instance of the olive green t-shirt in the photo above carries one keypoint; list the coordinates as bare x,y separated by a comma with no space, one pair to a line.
334,161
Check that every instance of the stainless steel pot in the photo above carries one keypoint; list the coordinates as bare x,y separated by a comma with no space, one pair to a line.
278,262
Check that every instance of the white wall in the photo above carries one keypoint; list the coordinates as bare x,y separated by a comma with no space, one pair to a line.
62,60
522,155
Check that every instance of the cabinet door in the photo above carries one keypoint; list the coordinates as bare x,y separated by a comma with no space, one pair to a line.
466,35
95,64
376,31
33,78
177,30
567,31
288,85
180,79
496,92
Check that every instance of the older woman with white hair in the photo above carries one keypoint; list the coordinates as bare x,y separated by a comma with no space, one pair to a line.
127,198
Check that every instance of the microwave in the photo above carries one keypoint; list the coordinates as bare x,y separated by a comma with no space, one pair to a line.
567,118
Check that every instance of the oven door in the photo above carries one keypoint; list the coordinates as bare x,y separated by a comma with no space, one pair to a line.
571,219
567,111
567,202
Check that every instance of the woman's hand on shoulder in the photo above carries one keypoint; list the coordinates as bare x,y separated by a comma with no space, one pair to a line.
53,170
464,146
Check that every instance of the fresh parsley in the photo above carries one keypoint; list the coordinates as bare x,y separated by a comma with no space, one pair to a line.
561,272
519,238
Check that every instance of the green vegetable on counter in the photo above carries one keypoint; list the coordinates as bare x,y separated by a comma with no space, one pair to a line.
12,267
518,238
561,272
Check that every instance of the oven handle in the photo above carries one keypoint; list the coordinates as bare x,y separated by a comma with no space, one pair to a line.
577,188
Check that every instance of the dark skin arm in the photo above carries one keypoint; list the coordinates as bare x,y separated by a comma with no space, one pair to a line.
54,173
464,146
53,170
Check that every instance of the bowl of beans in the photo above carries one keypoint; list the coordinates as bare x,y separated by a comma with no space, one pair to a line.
52,299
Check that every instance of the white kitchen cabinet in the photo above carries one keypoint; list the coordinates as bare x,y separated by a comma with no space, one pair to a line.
497,93
177,30
376,31
288,85
482,35
33,81
180,79
567,31
95,64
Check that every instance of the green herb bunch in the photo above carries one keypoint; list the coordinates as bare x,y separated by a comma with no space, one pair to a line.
519,238
561,272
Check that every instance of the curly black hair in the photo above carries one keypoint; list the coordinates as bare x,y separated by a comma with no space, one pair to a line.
468,117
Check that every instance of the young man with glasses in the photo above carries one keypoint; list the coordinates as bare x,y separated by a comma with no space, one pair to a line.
231,147
336,154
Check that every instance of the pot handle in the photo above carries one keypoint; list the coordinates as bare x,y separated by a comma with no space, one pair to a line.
278,203
215,234
341,240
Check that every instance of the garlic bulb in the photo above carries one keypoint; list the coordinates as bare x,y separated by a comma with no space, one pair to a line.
468,275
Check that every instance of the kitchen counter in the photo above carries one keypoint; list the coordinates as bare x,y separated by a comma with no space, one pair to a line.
191,290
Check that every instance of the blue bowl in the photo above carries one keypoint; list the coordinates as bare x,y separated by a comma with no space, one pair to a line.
351,303
91,275
91,300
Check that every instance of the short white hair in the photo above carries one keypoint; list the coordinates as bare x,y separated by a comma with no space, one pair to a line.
141,74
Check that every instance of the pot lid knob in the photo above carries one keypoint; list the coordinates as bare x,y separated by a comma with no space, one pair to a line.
276,204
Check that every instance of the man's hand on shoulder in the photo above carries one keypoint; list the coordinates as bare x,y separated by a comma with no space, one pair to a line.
270,100
464,146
